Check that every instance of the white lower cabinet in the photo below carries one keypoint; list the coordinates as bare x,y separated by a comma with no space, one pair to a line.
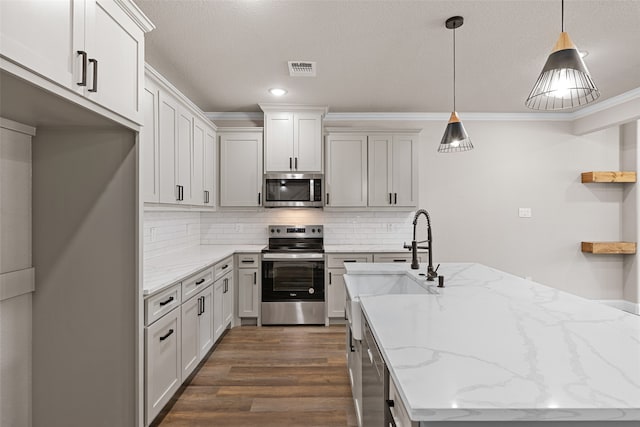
197,330
222,304
334,281
162,362
249,285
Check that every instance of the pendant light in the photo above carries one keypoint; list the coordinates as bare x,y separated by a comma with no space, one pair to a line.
455,137
564,81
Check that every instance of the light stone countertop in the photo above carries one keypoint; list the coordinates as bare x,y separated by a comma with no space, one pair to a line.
364,248
494,347
165,270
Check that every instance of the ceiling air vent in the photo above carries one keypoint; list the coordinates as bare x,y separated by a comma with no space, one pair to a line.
302,69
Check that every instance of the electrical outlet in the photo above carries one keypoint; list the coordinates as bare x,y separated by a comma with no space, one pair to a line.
524,212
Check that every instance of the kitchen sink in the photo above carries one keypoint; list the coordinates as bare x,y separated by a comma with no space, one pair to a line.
359,285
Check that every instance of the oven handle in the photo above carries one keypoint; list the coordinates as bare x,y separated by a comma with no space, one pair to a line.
292,257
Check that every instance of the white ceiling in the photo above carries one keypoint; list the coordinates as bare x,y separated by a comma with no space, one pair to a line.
384,56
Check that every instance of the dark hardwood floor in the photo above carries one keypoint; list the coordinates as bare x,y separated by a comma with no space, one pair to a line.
269,376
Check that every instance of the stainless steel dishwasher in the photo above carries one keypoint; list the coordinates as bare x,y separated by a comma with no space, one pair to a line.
375,381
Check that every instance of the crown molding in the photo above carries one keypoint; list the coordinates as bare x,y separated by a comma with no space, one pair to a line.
134,12
541,116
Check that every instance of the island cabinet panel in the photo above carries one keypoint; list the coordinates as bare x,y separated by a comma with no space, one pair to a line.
398,412
162,362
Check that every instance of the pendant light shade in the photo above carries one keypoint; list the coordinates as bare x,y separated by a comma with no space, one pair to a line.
455,136
564,81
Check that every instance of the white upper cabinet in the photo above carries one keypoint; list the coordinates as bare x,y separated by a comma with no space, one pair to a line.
240,167
293,138
393,170
178,147
91,47
346,177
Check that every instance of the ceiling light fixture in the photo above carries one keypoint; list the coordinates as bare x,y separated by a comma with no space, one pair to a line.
455,137
277,91
564,81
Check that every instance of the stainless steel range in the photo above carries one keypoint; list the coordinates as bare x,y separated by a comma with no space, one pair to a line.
293,276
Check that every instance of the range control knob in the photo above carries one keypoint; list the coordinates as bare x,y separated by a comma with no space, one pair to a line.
273,231
312,291
313,230
277,230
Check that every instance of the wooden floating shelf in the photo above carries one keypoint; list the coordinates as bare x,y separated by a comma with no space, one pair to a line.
624,248
608,176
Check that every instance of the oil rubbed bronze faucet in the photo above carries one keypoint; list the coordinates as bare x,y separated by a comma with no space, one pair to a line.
431,273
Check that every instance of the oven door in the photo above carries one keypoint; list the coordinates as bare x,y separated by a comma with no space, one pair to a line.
292,280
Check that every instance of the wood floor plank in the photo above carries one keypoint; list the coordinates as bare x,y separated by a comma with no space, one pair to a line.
269,376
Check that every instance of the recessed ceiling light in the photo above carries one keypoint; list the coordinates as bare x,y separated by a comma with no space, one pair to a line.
277,91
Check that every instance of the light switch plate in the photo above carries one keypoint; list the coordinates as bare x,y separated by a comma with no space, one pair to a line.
524,212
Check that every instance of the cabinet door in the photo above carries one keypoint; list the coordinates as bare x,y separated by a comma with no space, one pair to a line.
184,155
335,292
117,44
162,367
227,306
248,292
307,142
197,172
278,142
379,170
44,35
210,168
218,303
346,177
149,145
404,170
167,137
205,323
240,169
190,347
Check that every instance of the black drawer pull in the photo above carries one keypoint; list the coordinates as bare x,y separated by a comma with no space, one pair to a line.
247,261
350,260
95,75
225,266
167,335
200,282
399,260
162,303
255,278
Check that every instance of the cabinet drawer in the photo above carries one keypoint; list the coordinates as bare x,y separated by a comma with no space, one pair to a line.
338,260
395,257
196,283
248,260
160,304
222,268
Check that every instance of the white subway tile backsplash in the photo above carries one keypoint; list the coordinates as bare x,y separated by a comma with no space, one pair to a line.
169,231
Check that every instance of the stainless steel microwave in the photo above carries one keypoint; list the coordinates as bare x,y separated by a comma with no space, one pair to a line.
293,190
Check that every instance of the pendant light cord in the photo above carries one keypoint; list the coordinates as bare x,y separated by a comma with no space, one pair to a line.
454,69
562,16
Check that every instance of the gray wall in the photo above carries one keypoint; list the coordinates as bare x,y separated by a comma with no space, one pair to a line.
84,250
630,159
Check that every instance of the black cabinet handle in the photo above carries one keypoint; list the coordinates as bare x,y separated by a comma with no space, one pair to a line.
255,278
390,199
199,306
95,75
225,266
329,277
182,192
327,198
200,282
163,303
259,198
246,261
399,260
206,196
162,338
350,260
290,159
83,81
395,198
296,164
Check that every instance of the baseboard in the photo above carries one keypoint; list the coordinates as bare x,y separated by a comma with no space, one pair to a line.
620,304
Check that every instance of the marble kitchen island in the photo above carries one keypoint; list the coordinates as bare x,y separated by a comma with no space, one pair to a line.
491,348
